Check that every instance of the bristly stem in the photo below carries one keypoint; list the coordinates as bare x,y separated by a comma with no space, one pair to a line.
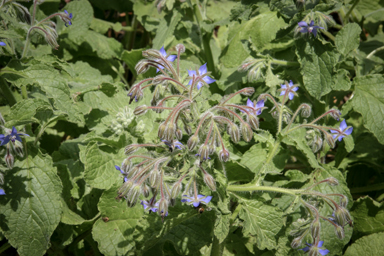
285,63
252,187
374,52
350,11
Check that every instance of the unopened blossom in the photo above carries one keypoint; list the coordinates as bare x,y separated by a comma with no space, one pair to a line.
305,28
202,70
342,131
173,144
122,172
68,22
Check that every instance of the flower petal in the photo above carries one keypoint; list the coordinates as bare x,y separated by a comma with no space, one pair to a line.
282,93
305,249
190,82
295,89
311,23
5,140
191,72
208,80
14,131
343,125
2,44
291,95
250,103
320,244
125,179
207,199
199,85
2,192
340,137
171,58
333,131
66,12
349,131
283,86
314,31
304,30
303,24
260,104
163,52
144,204
203,69
290,83
323,251
196,204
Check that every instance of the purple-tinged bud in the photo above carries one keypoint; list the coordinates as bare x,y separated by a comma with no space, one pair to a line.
162,128
154,178
336,114
133,195
253,121
163,205
296,242
234,132
343,201
306,110
140,110
9,160
224,155
146,190
130,149
180,48
332,181
193,141
339,232
329,139
315,229
179,134
246,131
176,188
210,181
342,216
188,129
203,152
142,67
248,91
126,165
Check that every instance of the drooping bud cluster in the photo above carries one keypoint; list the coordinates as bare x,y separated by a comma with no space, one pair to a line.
123,119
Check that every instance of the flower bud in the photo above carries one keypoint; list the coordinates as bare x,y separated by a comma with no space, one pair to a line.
9,160
224,155
133,195
336,114
296,242
339,232
248,91
203,152
172,201
315,229
124,189
179,134
130,149
142,67
306,110
1,178
161,132
187,129
180,48
126,166
343,201
140,110
154,178
18,147
329,139
163,205
246,131
235,133
210,181
146,190
332,181
170,131
193,141
176,188
253,121
342,216
152,54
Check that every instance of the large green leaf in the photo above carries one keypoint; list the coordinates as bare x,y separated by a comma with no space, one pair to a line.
32,208
348,38
367,245
369,101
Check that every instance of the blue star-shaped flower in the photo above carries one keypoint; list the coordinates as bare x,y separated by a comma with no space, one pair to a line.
11,137
290,88
255,109
305,28
343,131
2,192
2,44
170,58
202,71
119,169
196,201
174,144
70,17
313,247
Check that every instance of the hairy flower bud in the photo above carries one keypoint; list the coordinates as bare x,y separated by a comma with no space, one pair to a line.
339,232
170,131
140,110
315,229
142,67
203,152
176,188
248,91
180,48
306,110
193,141
343,216
9,160
296,242
179,134
253,121
163,205
187,129
329,139
336,114
161,132
154,178
246,131
224,155
124,189
130,149
343,201
133,195
210,181
18,147
152,54
234,132
146,190
332,181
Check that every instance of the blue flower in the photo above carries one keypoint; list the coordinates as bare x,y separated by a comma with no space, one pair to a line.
2,44
201,72
196,201
290,88
305,28
342,132
170,58
174,144
311,247
150,205
2,192
204,157
119,169
68,23
255,109
11,137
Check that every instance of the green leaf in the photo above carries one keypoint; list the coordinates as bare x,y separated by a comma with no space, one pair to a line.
368,216
23,111
131,58
165,30
114,231
317,63
99,168
297,138
32,207
254,157
369,102
102,26
348,38
263,221
237,171
367,245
